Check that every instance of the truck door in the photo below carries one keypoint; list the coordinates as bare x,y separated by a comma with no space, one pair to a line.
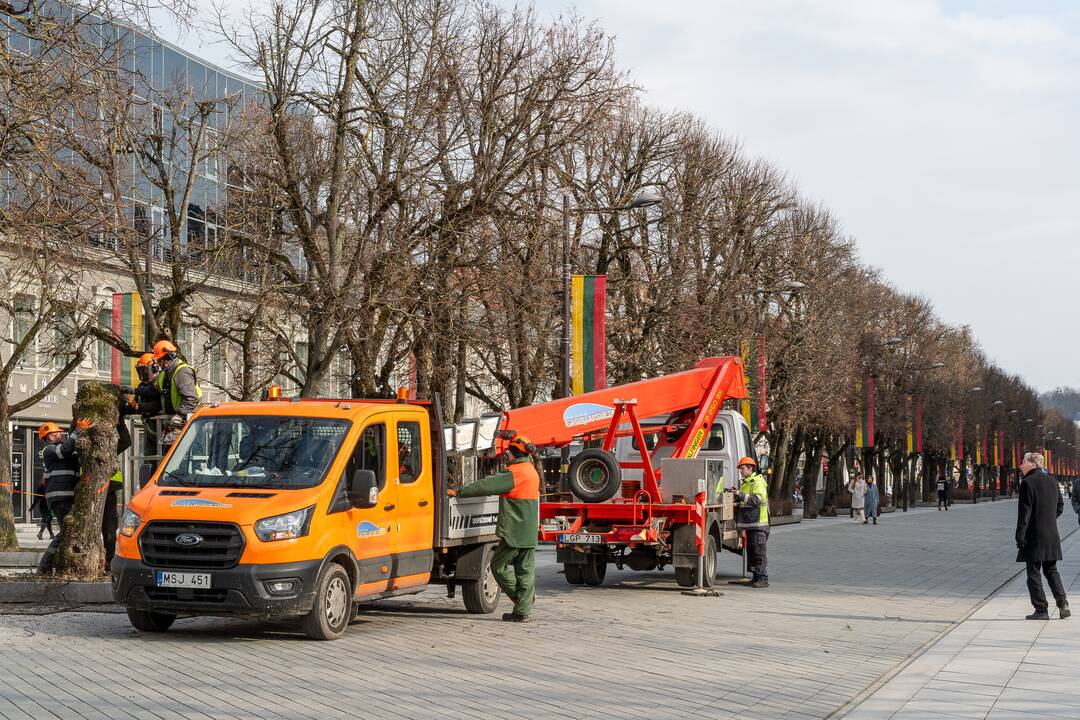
413,478
372,530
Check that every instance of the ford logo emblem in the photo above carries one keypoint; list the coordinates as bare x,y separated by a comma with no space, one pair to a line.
188,539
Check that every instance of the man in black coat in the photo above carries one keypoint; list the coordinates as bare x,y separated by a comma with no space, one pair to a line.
1037,539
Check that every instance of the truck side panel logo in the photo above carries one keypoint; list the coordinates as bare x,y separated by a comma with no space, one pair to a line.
199,502
469,522
586,413
368,529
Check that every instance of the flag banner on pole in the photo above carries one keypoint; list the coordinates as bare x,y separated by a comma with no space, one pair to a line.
918,424
998,443
985,448
747,406
588,361
910,428
870,411
763,410
960,436
952,449
128,326
978,446
860,416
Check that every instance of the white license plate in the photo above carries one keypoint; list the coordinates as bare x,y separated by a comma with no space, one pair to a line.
580,538
183,579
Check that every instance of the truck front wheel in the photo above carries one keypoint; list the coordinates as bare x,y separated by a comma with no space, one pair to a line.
481,596
332,610
149,620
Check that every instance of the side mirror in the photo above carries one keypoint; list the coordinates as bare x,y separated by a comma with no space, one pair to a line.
146,471
363,489
763,463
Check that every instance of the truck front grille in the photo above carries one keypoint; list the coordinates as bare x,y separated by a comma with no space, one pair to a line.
220,547
191,595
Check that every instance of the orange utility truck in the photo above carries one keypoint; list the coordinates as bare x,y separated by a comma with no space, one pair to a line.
304,508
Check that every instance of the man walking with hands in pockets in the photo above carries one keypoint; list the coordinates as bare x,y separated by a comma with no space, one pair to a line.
1037,540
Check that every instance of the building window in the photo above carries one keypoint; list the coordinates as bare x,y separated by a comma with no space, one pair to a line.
104,349
25,315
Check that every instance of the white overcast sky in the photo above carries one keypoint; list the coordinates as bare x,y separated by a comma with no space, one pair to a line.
944,134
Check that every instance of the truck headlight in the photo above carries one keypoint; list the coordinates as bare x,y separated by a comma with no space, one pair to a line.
130,523
285,527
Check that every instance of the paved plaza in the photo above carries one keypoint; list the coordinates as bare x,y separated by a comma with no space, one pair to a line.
849,605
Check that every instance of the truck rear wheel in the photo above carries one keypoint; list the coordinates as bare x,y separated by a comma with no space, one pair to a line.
595,475
332,609
150,620
573,573
595,569
481,596
687,576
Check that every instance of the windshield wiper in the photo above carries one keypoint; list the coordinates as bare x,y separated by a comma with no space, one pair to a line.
180,479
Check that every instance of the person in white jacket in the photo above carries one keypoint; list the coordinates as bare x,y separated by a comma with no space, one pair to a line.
857,488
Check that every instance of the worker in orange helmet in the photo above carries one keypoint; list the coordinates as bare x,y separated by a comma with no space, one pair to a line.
178,388
752,516
61,476
518,486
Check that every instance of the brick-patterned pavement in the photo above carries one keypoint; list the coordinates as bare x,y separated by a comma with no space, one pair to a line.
847,605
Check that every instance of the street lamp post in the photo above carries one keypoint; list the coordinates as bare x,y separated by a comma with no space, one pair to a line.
643,199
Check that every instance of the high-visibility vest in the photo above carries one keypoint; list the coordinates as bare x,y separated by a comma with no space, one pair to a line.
174,394
754,484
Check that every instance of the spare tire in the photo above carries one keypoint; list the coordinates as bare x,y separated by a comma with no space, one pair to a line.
595,475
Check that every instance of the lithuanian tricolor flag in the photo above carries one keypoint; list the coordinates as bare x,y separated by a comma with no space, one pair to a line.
127,324
588,359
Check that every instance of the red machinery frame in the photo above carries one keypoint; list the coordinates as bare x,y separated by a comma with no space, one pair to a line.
598,414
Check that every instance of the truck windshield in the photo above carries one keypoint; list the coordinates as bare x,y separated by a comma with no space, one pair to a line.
262,451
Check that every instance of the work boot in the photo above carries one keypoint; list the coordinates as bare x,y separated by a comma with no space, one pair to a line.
760,584
514,617
1064,611
875,521
1038,615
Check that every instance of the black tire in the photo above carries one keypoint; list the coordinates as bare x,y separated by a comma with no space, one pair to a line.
332,610
150,620
687,576
595,475
573,572
482,596
594,571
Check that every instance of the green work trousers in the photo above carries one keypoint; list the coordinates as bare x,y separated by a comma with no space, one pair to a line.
515,571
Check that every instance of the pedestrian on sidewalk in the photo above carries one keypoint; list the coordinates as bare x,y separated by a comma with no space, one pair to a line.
857,488
942,493
41,505
1074,496
872,499
1037,540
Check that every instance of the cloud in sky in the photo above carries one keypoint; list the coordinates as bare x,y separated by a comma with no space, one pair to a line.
942,133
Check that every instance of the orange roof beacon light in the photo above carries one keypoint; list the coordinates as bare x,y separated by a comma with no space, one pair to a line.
273,392
403,394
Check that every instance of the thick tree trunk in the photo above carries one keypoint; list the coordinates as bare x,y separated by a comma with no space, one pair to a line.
81,555
8,539
778,453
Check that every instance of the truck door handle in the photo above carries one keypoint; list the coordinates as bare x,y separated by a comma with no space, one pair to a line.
389,507
423,503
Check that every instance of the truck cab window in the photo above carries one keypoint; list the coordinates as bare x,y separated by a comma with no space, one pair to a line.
408,447
749,442
716,438
370,453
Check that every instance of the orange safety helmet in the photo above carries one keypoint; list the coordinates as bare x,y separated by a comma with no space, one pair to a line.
47,428
747,460
163,348
146,358
521,446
